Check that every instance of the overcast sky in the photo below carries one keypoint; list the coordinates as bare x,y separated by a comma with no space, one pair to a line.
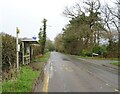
27,15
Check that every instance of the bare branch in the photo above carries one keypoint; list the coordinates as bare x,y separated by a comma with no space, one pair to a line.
93,5
116,26
69,13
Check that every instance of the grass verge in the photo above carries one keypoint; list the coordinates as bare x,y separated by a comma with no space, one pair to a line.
28,74
115,63
43,58
23,83
39,61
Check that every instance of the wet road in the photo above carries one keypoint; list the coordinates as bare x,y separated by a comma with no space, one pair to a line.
69,74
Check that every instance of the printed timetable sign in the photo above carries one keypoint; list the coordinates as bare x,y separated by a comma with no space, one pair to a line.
18,47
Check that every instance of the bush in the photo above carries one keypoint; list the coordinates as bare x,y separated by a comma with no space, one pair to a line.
8,51
36,50
8,56
99,49
86,53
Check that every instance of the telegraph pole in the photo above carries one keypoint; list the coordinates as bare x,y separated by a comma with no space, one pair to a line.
119,29
119,15
17,50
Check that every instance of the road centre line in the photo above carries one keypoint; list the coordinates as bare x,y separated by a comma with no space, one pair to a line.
116,90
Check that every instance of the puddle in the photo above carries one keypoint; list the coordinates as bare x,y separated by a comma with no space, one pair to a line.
65,59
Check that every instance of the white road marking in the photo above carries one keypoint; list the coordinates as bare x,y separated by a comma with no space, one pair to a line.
107,84
65,90
51,70
89,71
116,90
45,69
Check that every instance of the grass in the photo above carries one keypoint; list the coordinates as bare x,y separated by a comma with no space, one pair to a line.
43,58
27,76
23,83
115,63
39,61
0,87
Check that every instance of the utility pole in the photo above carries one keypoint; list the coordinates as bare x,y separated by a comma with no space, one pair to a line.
17,49
119,14
119,29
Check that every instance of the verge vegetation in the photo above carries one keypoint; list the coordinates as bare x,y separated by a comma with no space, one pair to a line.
24,82
115,63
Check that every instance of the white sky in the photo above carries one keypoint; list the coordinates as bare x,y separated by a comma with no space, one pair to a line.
27,15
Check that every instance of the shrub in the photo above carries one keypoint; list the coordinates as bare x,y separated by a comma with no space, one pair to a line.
8,51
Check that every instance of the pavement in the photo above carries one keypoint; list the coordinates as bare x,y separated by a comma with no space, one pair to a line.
65,73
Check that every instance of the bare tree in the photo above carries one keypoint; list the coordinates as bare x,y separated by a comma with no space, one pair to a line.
107,21
73,12
112,19
116,21
93,10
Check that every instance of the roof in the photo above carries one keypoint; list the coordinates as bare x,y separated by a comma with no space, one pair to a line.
29,40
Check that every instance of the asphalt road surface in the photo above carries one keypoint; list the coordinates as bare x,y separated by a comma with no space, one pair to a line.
68,74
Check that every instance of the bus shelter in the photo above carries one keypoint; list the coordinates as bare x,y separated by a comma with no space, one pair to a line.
27,50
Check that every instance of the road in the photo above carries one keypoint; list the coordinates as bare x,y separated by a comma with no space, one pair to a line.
65,73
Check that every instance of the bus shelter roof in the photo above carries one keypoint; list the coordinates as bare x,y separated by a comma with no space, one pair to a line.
29,40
